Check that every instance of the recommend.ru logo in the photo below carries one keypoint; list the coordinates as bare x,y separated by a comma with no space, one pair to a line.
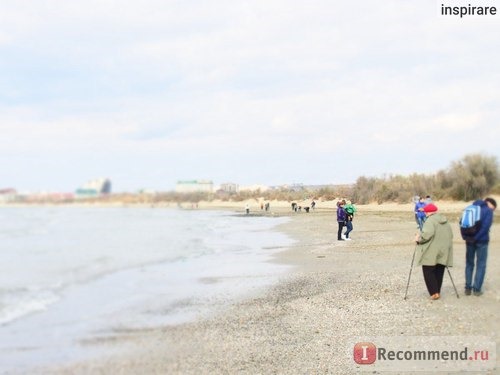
421,353
365,353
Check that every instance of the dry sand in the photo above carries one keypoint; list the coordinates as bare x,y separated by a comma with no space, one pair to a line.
337,291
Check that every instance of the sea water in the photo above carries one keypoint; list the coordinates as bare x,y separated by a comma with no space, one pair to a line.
74,275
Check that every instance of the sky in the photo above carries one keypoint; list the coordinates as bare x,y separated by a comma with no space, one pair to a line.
272,92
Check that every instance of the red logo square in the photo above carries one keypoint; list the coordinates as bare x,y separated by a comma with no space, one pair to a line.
365,353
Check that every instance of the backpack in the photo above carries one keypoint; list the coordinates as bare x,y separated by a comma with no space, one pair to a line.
470,222
349,210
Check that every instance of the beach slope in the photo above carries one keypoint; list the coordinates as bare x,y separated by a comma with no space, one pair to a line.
338,293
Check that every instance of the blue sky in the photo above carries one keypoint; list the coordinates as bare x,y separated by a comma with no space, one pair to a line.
252,92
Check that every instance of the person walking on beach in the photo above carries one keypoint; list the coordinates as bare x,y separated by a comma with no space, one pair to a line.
341,218
349,210
477,248
419,212
435,249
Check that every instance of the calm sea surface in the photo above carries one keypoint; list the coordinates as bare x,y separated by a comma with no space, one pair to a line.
70,275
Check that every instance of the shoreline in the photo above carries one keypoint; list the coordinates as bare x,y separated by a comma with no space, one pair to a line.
213,260
306,323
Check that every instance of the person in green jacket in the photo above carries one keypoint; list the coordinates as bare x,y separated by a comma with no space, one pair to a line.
435,249
349,210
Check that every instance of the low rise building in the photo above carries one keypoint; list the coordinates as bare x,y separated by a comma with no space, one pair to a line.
94,188
8,195
229,187
194,186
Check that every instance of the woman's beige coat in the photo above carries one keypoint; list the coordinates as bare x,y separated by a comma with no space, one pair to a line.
436,242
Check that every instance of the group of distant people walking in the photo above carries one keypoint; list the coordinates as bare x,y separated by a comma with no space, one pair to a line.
435,246
297,208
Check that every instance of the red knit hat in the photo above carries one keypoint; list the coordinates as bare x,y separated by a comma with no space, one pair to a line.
430,208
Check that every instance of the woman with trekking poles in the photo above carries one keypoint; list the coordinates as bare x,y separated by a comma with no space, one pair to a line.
435,249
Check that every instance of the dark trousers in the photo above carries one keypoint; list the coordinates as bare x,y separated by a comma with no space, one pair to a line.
433,276
339,233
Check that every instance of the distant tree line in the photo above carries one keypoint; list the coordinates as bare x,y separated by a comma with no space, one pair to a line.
472,177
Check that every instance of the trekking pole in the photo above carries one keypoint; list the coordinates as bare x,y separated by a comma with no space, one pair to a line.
451,278
411,268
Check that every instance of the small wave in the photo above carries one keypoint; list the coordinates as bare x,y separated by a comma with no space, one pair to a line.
15,304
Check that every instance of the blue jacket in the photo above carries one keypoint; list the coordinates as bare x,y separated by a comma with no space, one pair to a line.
483,234
420,214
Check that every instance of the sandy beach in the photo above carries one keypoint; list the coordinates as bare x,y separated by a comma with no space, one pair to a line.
337,292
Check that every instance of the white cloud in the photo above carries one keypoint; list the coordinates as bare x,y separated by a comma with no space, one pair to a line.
210,83
457,122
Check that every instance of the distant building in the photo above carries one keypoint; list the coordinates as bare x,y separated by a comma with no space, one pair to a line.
95,187
147,191
254,188
8,195
8,191
194,186
47,197
229,187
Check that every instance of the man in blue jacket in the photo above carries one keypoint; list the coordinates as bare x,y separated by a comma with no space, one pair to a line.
419,212
477,249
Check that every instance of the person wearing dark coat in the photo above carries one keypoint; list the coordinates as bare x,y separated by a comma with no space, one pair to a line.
341,219
477,249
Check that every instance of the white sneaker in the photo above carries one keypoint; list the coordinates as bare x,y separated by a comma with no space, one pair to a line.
348,239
